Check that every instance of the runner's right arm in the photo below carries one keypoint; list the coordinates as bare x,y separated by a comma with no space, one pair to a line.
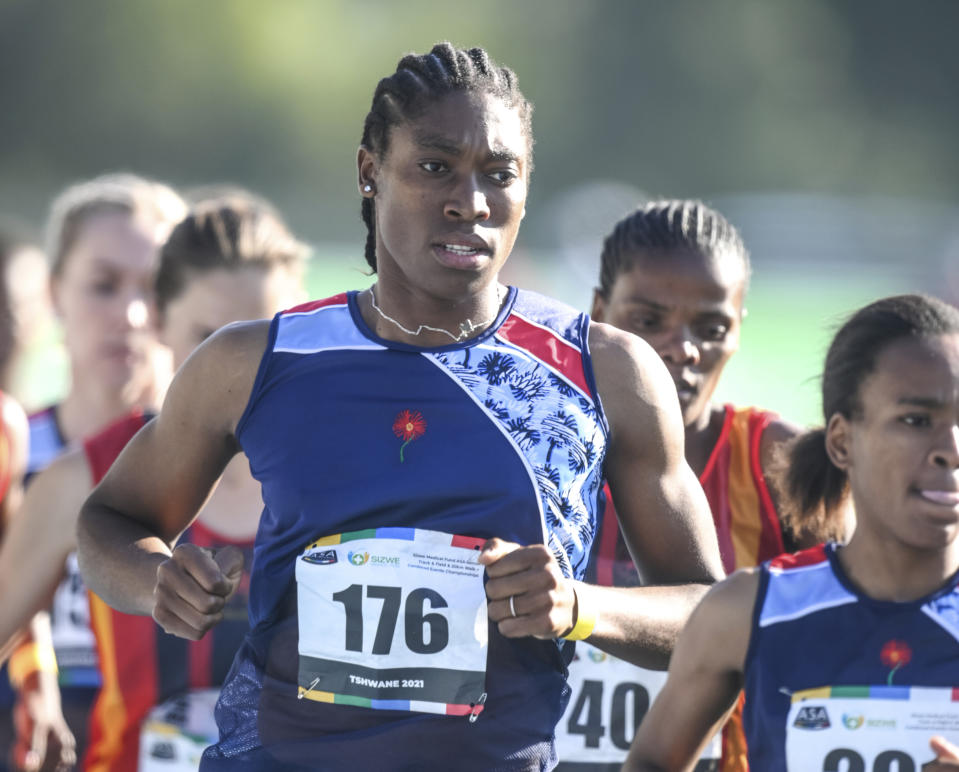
158,484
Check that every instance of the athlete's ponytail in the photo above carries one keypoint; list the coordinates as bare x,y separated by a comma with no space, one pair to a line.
813,490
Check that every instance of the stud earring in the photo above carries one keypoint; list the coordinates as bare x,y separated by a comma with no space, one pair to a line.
367,188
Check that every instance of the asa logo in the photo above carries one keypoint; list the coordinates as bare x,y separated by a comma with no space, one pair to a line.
852,722
358,558
812,717
321,558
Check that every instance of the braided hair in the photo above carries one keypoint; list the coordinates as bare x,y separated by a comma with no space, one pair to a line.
422,79
665,226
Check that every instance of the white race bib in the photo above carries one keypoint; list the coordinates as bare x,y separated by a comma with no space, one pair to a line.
609,699
175,734
393,619
73,639
868,728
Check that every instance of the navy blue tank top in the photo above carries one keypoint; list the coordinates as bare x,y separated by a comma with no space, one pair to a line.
817,638
502,435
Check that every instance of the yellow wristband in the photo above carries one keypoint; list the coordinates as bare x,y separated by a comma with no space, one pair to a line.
28,659
585,621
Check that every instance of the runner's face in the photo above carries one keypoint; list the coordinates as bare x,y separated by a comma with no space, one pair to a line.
688,307
902,453
449,195
215,298
103,295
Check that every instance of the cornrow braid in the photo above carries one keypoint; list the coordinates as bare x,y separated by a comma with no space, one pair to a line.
667,225
422,79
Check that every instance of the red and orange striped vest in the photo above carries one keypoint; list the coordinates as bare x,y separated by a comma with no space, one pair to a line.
747,526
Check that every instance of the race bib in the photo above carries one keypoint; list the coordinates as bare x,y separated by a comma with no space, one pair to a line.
393,619
609,699
73,639
175,734
868,728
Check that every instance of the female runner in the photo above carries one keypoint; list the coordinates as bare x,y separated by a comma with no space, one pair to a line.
102,238
675,273
849,655
395,432
229,259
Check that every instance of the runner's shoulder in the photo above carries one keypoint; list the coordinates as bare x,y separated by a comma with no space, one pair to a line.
232,353
215,382
632,381
722,622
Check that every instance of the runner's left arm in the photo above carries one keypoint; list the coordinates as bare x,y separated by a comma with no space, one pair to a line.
154,490
663,514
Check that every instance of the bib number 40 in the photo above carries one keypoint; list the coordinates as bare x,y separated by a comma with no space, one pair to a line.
425,633
586,717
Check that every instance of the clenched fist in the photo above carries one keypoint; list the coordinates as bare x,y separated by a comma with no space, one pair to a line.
192,588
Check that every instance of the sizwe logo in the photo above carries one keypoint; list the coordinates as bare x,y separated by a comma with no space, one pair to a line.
851,721
358,558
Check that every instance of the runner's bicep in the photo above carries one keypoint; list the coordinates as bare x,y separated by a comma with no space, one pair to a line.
666,524
661,506
167,470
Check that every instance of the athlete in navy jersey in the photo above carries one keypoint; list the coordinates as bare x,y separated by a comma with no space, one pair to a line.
430,452
512,446
849,655
813,627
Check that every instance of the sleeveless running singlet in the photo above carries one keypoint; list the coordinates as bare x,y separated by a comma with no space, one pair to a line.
388,463
143,666
836,680
610,697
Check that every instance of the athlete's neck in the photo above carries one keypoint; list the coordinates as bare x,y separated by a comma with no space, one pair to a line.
90,405
81,414
888,570
411,316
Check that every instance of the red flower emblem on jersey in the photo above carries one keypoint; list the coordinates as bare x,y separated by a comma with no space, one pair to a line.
408,425
895,654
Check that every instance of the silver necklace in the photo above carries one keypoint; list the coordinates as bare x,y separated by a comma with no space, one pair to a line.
467,327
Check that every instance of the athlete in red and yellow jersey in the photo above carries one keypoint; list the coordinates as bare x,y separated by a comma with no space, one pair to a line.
746,523
675,273
231,258
143,667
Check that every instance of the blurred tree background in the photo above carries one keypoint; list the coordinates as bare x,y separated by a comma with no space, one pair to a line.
825,130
